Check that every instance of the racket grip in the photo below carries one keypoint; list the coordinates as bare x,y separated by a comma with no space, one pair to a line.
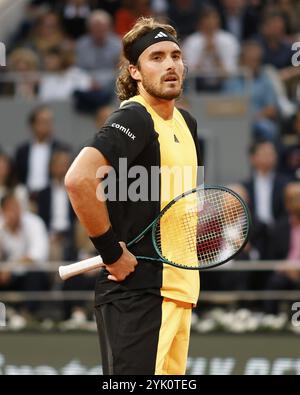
74,269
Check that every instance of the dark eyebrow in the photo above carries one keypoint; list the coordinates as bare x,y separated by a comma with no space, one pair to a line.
155,53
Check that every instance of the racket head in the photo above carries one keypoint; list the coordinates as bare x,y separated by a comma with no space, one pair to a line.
212,227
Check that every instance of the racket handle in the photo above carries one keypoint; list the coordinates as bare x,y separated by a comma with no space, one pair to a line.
74,269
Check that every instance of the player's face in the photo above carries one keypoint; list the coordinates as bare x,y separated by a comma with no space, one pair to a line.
161,70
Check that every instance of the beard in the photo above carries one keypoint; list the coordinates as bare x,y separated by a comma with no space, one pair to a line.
160,92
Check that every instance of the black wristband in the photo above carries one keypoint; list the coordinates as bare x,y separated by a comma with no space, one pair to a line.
108,246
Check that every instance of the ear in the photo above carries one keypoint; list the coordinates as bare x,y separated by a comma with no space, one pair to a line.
134,72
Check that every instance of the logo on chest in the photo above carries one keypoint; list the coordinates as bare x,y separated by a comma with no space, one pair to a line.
176,139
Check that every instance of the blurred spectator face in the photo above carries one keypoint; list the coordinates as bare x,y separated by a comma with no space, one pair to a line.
285,5
42,125
60,164
48,25
4,168
22,60
264,159
233,6
292,198
274,28
59,59
209,22
11,211
52,62
251,56
99,26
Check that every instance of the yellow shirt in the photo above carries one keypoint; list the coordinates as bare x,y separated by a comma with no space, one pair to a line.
178,163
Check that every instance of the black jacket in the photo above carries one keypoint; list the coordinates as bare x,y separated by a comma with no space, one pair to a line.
44,207
279,239
278,207
22,158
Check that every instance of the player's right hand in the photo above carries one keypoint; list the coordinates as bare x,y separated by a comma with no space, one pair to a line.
125,265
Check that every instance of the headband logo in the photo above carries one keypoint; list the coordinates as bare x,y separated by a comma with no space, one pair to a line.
161,34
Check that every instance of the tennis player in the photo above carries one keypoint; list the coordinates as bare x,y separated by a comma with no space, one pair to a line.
143,309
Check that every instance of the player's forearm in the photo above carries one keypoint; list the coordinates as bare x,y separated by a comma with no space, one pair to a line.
91,213
81,184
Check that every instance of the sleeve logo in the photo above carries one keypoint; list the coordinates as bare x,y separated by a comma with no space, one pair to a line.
124,130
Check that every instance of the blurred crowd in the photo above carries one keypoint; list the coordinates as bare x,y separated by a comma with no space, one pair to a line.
69,50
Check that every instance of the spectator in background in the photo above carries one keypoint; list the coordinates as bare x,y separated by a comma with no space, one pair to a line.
250,251
277,51
211,51
61,78
265,189
212,280
262,95
46,34
33,156
285,245
241,17
43,4
128,13
183,16
290,10
290,162
110,6
54,208
252,16
99,50
233,17
159,9
255,249
265,186
74,16
8,181
23,83
24,243
32,11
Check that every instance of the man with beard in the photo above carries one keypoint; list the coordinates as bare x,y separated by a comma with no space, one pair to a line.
143,308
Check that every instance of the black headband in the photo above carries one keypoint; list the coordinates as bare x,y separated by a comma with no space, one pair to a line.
148,39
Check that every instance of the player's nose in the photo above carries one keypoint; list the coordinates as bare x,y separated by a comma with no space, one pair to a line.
170,63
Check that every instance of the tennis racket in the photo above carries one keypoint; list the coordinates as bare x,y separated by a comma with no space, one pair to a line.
198,230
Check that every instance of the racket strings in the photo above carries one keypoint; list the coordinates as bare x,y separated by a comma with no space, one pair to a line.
202,228
222,227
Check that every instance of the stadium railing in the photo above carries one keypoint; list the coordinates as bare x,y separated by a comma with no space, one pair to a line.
208,296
